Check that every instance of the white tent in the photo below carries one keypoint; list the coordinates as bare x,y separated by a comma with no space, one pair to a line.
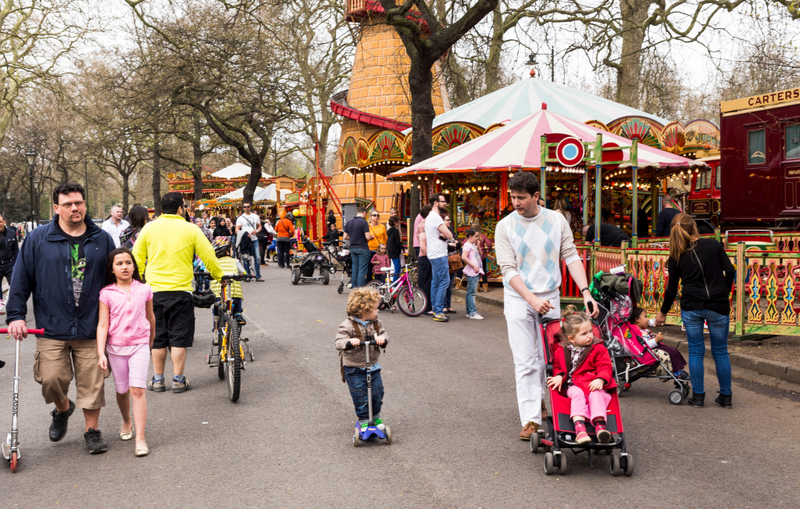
268,193
234,171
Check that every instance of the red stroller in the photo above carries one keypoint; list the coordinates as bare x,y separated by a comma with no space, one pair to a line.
560,432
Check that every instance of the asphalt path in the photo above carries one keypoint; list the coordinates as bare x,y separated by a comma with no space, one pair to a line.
450,401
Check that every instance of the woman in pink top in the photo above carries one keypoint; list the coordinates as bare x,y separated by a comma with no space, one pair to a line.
126,329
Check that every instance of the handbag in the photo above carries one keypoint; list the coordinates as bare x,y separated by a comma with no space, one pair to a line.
455,262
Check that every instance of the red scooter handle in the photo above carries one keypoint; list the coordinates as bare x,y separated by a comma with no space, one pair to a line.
30,331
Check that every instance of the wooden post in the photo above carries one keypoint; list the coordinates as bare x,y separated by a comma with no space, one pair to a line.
585,195
741,272
375,189
653,200
598,184
634,153
624,252
543,168
410,241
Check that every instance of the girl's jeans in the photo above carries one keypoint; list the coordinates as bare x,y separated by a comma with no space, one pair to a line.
718,326
472,287
357,383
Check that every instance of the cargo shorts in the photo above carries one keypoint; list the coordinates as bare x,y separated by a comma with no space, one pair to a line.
53,368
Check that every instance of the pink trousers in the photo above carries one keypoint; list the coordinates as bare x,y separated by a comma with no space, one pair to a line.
130,370
595,407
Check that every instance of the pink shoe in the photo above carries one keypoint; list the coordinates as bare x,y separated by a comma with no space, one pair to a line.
581,436
603,435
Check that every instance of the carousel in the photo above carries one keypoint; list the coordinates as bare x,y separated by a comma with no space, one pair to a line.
582,170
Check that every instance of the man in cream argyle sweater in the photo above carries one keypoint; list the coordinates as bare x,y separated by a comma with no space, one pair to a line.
530,243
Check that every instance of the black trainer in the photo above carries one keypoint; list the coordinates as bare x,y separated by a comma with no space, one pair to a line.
58,428
724,400
94,441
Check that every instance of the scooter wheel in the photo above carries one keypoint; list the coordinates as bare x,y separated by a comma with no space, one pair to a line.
295,276
356,439
388,432
13,462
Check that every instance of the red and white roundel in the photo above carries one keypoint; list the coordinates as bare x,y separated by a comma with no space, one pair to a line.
570,151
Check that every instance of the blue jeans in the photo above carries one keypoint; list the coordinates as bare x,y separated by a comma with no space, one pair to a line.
396,265
360,259
256,259
472,288
357,383
439,281
718,328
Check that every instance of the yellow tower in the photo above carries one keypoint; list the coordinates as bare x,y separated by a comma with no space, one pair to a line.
375,110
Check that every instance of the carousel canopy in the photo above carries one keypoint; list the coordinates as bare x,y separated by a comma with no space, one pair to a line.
518,145
236,170
524,97
268,193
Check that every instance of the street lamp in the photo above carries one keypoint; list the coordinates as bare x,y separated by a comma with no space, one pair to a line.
30,156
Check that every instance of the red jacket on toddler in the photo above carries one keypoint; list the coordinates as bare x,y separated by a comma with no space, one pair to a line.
593,363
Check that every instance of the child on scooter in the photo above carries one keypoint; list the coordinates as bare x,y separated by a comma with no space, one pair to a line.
582,372
125,329
676,360
362,321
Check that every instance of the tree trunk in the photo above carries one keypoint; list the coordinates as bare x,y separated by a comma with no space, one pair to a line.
197,170
495,49
125,190
634,14
156,180
252,181
420,83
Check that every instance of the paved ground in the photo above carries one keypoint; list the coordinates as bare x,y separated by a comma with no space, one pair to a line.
450,401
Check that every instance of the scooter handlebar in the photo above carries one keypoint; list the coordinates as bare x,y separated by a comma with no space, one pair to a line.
350,346
30,331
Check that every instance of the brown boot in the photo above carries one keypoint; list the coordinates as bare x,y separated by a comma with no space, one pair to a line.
528,431
485,287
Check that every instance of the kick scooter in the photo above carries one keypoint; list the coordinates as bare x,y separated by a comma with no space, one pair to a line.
361,435
11,445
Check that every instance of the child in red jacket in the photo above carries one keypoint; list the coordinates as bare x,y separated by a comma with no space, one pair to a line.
584,363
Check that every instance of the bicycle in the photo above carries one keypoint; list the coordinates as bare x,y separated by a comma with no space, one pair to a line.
402,292
227,346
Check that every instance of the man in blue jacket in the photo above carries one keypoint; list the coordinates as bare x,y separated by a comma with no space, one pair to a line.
63,265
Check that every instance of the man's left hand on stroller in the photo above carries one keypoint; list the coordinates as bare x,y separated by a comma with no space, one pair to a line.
591,305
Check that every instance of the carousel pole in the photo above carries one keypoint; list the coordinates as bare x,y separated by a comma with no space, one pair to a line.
543,171
634,153
585,195
653,199
598,184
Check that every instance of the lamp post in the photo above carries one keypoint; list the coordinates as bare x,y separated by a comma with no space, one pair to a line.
30,155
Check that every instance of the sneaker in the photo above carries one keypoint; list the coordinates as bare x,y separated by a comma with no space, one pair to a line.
476,316
58,428
683,375
240,319
440,318
379,424
2,308
603,435
364,425
94,441
581,436
180,386
528,431
156,385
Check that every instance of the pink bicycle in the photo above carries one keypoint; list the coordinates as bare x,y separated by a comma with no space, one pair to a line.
402,293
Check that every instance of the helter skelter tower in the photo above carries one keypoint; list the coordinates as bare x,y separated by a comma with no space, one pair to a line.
375,110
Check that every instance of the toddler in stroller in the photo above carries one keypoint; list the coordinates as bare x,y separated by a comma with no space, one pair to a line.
582,371
571,381
669,356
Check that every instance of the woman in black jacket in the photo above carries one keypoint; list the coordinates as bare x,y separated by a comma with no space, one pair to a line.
394,245
221,230
707,276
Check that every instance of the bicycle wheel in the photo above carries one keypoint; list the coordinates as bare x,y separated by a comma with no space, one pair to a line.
376,285
412,303
233,361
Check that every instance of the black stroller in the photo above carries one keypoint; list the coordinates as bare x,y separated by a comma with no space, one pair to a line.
314,261
342,257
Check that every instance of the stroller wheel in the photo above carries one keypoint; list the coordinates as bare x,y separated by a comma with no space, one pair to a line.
549,465
685,390
614,463
676,397
535,443
562,464
340,289
628,465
